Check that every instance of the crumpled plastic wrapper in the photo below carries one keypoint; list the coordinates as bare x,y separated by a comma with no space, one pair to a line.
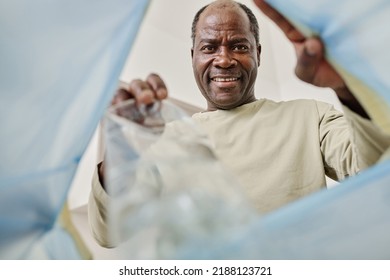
169,191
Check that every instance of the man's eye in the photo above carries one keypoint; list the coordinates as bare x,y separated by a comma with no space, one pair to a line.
240,48
208,48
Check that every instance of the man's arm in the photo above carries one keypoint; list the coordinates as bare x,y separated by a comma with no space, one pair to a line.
349,143
348,149
312,67
97,212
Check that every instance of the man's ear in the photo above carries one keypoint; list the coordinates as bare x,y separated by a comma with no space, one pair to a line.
258,55
192,52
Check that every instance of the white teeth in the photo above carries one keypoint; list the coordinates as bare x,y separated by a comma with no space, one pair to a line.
225,79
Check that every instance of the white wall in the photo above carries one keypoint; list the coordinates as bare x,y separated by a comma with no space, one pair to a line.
163,46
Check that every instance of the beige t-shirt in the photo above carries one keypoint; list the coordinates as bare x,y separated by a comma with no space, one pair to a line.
278,151
281,151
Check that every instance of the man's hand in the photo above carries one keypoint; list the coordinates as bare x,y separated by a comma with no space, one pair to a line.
143,91
312,66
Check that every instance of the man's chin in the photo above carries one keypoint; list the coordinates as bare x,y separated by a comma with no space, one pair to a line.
226,103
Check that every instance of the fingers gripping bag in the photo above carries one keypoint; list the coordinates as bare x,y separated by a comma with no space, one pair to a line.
170,196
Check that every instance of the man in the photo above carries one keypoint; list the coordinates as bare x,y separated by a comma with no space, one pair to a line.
279,152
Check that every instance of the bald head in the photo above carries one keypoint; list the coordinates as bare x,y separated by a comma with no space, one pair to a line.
218,6
223,4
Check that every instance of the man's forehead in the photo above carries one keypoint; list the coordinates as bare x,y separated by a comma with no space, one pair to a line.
214,22
210,33
221,10
213,18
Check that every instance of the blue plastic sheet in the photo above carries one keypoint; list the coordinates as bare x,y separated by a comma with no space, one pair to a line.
60,63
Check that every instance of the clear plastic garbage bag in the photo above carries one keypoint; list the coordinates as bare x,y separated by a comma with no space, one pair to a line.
168,190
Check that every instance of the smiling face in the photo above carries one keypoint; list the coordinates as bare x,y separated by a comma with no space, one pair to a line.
225,57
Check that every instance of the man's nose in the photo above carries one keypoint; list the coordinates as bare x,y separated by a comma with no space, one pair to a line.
224,59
